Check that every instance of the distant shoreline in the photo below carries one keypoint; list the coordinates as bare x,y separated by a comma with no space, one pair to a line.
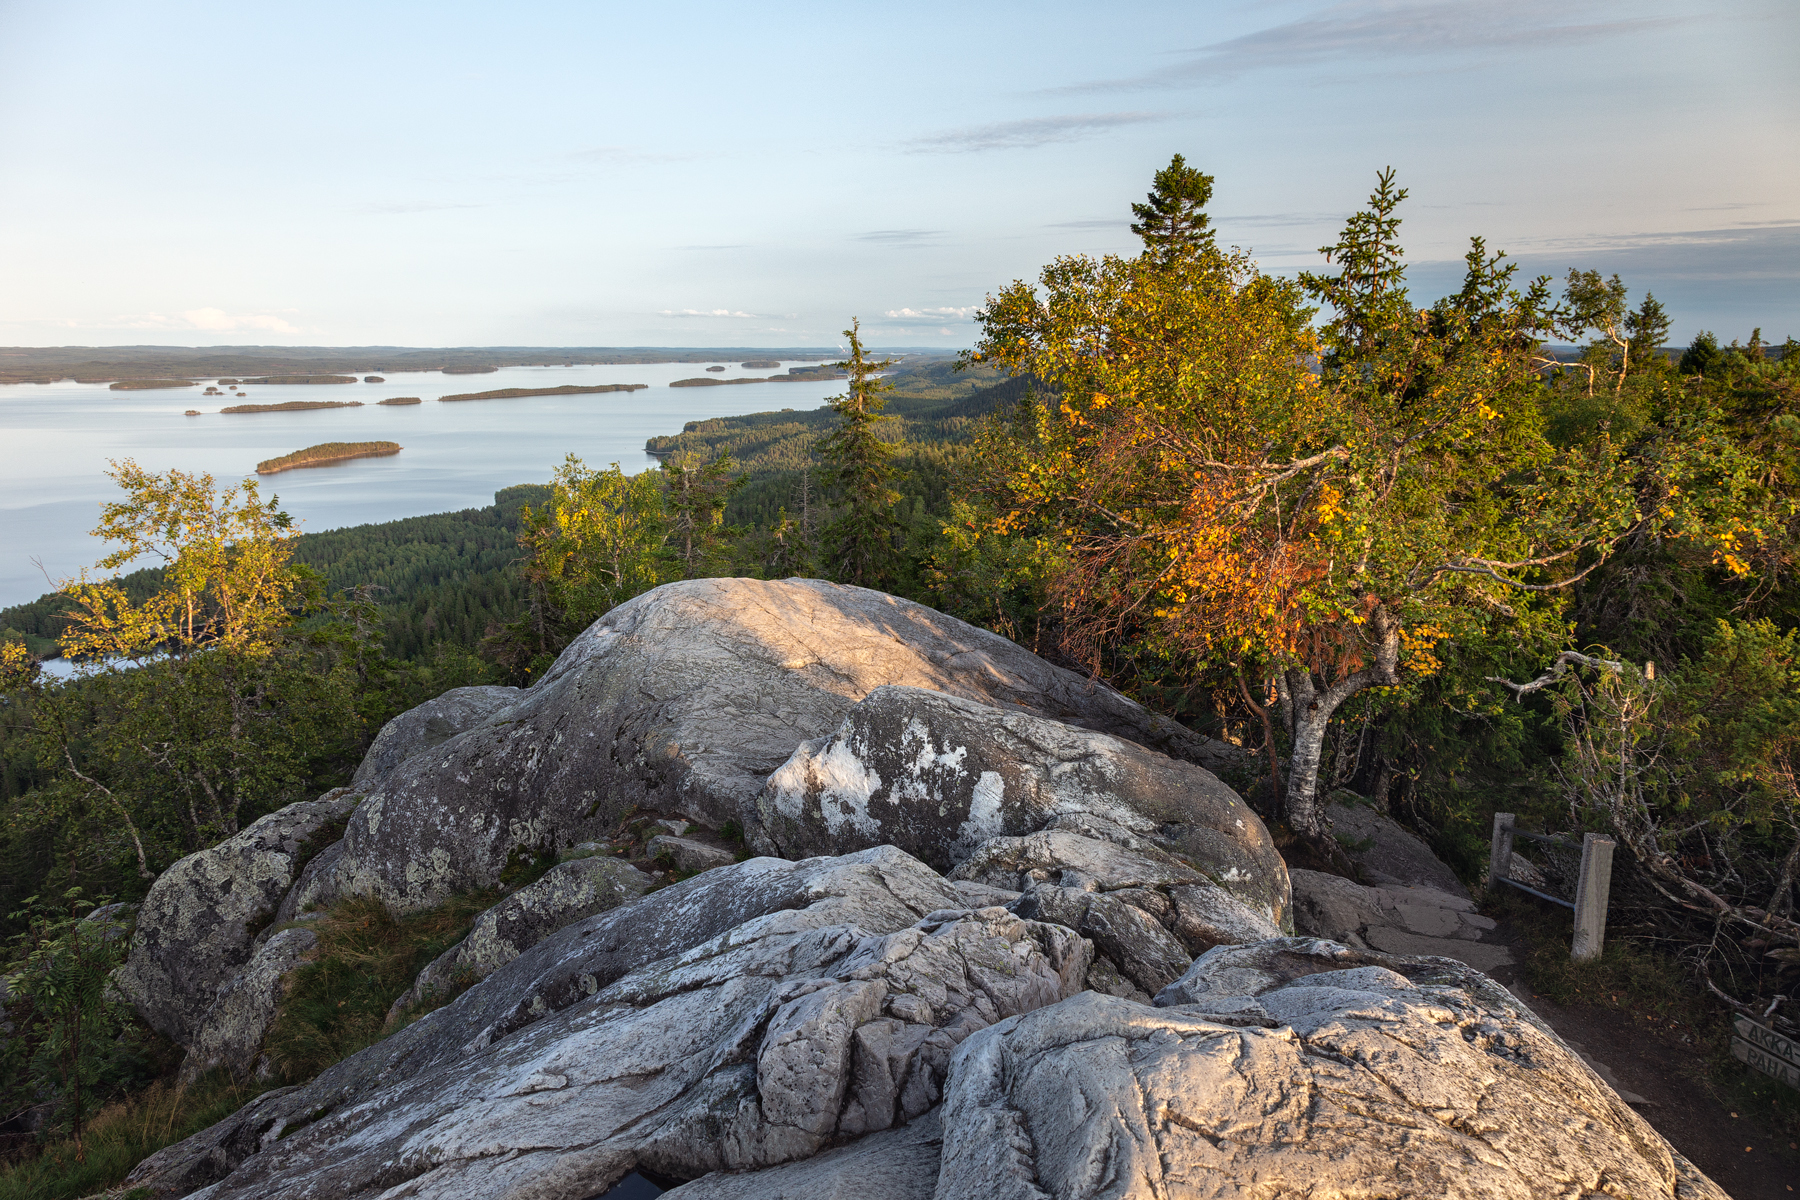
326,453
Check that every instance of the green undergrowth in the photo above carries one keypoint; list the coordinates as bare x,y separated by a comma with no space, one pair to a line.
366,958
121,1135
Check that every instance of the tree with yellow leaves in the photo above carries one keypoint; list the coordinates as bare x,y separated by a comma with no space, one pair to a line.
1228,486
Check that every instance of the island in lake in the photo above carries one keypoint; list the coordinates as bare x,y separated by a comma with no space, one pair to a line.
325,454
373,379
144,385
761,364
291,406
703,381
400,400
565,390
297,379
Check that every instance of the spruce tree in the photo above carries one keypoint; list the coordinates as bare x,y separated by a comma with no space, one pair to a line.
1173,223
861,540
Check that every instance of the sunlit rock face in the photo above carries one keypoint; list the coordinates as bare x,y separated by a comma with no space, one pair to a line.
1295,1067
685,700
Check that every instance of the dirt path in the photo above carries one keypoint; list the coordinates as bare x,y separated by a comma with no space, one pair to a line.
1662,1070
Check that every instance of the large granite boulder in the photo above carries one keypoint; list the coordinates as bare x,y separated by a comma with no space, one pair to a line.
895,1164
757,1047
878,891
685,699
1385,850
230,1035
197,925
431,724
938,775
1295,1067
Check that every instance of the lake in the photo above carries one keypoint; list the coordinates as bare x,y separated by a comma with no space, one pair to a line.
59,437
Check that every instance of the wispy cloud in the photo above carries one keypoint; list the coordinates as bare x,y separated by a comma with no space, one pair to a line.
900,237
211,320
412,206
626,154
708,312
930,314
1027,133
1364,30
1103,223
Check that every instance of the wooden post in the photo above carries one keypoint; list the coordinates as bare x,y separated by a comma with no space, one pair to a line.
1500,852
1591,894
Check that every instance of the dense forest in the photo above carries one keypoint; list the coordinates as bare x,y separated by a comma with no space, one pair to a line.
1505,551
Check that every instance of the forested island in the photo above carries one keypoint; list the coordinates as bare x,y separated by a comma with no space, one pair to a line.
565,390
326,453
704,381
300,379
145,385
397,400
291,406
1407,565
472,370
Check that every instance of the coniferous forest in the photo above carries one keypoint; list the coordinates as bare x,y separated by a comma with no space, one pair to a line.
1507,550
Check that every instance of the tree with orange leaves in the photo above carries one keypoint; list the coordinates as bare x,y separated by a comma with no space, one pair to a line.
1226,484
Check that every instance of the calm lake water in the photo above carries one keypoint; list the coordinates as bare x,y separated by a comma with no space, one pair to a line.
58,438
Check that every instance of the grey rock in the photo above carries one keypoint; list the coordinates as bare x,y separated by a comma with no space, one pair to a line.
196,926
938,775
1394,855
744,1053
980,895
880,891
1368,1075
684,700
1131,939
1483,956
689,855
895,1164
431,724
316,888
117,918
1333,907
568,892
230,1035
1196,909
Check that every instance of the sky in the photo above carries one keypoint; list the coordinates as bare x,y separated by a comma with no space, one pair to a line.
194,172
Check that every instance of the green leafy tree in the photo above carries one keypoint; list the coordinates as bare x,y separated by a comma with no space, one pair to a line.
861,541
695,495
1172,220
1213,501
600,539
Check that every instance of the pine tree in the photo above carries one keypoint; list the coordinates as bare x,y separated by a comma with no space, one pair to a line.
695,495
1172,223
861,539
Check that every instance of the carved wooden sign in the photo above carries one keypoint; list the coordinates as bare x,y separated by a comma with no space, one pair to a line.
1762,1049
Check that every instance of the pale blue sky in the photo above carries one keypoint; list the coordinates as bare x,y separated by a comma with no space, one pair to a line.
754,174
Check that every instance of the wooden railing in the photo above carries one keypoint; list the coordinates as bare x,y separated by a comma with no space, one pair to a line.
1591,890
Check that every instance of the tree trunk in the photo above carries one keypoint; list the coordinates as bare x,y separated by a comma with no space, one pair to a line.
1308,704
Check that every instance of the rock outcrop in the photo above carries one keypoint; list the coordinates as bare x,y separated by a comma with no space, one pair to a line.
230,1035
1295,1067
431,724
750,1049
1386,852
1395,918
685,700
937,775
196,927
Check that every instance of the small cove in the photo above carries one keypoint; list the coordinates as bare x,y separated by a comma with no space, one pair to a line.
59,437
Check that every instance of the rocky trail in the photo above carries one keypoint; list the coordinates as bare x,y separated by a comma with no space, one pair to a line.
831,895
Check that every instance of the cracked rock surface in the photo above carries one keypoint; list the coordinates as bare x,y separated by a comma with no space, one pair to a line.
1295,1067
878,891
749,1050
684,700
431,724
939,775
197,927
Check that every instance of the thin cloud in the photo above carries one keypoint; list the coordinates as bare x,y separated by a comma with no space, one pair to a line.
930,314
1362,30
412,206
1109,223
709,312
1026,134
900,237
211,320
